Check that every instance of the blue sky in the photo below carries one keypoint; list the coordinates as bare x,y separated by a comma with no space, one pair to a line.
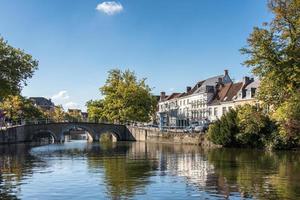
174,43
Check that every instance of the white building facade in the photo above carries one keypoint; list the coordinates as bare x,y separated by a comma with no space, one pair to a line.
182,109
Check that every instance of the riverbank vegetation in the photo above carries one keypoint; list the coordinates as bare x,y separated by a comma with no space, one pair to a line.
273,54
126,99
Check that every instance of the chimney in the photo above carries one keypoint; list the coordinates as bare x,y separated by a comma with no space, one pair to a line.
188,89
220,80
246,80
226,72
162,96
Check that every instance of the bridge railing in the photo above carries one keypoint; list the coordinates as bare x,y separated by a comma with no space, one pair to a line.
21,122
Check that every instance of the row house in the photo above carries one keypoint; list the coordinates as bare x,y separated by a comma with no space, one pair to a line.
231,95
182,109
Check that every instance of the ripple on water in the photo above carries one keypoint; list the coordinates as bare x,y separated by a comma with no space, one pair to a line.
80,170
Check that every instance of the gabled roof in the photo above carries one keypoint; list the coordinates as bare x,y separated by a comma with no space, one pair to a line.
254,84
227,93
42,101
172,96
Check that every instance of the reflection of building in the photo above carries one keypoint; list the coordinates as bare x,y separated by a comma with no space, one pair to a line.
194,167
43,103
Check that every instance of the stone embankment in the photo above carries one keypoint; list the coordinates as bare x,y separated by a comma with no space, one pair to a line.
154,135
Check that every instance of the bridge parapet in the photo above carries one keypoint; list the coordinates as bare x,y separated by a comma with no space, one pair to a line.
26,133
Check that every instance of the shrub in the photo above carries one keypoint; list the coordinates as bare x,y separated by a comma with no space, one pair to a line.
247,126
255,127
223,131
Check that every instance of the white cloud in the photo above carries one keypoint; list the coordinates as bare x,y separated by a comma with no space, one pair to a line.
110,7
71,105
62,95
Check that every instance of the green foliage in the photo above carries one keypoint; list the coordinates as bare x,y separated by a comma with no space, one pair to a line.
18,107
95,110
246,126
255,127
223,131
125,99
288,118
15,68
58,115
274,56
274,53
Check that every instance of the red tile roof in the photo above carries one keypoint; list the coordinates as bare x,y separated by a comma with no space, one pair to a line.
227,92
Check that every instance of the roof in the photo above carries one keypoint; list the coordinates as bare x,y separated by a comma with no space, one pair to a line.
227,93
254,84
42,101
210,81
172,96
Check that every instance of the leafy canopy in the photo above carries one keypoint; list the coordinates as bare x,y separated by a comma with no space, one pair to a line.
15,68
125,99
18,107
274,53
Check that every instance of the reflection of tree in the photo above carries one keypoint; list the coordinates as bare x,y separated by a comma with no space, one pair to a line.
15,163
124,175
264,175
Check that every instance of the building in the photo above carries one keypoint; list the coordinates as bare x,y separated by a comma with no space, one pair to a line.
43,103
231,95
209,99
182,109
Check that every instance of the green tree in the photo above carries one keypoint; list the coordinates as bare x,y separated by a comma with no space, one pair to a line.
18,107
274,53
58,114
288,119
255,127
126,98
224,131
95,110
274,56
15,68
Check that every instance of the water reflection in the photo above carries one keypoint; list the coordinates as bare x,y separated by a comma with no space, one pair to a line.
81,170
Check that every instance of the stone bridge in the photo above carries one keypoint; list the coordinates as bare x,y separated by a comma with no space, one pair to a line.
27,133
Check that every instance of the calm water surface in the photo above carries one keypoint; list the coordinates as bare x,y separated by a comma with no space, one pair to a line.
80,170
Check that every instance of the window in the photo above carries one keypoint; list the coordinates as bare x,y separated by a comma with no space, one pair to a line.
253,90
224,110
187,101
184,102
215,111
209,112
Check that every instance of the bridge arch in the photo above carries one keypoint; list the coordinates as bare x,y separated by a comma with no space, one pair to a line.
110,130
91,131
41,133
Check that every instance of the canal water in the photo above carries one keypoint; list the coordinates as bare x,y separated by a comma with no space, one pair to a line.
80,170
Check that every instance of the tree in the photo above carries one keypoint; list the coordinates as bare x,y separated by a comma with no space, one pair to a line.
126,98
288,119
18,107
15,68
58,115
95,110
224,131
255,128
246,126
274,53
